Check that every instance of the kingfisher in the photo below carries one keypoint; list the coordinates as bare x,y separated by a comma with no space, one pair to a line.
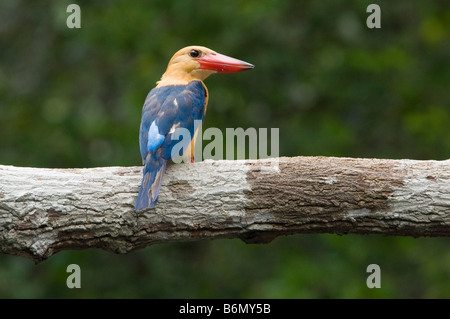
179,100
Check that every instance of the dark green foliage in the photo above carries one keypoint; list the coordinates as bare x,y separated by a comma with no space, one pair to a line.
73,98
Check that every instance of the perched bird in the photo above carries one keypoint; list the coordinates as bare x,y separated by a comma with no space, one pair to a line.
179,99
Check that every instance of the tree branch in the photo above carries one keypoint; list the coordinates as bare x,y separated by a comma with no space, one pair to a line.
43,211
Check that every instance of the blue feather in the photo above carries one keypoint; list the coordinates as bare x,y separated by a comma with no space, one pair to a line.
165,107
151,182
154,138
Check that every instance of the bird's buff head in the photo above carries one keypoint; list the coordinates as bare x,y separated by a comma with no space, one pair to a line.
197,63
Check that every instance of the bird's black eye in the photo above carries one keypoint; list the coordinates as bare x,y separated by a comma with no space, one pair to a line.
194,53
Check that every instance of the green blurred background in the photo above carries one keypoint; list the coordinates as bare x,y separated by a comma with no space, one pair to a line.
73,98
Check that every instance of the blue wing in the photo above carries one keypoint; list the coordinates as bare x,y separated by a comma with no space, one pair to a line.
166,109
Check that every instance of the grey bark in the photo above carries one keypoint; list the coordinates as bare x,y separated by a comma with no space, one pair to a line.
43,211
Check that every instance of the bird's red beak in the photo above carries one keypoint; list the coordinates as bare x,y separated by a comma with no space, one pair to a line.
222,63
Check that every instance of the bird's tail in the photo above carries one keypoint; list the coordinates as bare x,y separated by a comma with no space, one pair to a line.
151,182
